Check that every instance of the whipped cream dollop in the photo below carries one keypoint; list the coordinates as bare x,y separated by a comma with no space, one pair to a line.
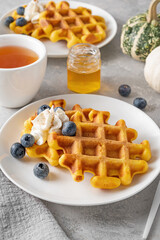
33,10
46,122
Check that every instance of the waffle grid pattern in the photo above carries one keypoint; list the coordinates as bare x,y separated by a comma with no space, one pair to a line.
106,151
60,22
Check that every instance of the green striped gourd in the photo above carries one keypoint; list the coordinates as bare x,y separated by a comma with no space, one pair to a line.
141,34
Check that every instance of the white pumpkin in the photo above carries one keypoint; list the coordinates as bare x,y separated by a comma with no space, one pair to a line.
152,69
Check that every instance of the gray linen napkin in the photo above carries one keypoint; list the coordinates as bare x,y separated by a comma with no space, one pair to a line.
24,217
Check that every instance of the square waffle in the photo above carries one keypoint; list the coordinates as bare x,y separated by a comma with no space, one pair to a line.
104,150
60,22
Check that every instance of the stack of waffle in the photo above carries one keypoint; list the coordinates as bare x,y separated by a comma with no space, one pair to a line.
104,150
60,22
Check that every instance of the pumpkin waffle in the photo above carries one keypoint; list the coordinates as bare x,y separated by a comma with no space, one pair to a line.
60,22
52,152
104,150
45,150
27,29
99,148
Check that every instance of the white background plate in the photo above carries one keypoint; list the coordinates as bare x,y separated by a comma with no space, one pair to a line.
59,186
59,49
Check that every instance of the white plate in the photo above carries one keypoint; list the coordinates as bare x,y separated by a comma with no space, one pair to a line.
59,49
60,187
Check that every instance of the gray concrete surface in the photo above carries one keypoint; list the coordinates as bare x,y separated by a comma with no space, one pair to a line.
126,219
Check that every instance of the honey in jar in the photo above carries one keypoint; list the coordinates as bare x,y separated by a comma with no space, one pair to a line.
84,68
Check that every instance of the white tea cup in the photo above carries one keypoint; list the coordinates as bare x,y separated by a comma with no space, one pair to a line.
19,85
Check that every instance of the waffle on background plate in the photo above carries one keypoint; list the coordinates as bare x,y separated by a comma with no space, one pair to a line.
104,150
60,22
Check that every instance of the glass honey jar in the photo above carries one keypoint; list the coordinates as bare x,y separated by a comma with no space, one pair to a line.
84,68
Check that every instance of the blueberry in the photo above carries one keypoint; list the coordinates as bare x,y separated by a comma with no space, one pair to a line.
42,108
27,140
140,103
124,90
41,170
17,150
20,10
21,21
69,128
8,20
55,109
